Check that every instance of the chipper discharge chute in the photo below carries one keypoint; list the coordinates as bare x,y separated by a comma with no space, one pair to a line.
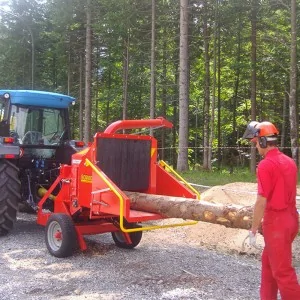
93,190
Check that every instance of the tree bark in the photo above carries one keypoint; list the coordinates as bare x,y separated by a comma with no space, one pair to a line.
293,84
219,40
125,76
234,216
182,160
213,100
81,100
88,74
237,83
254,9
206,35
152,85
164,96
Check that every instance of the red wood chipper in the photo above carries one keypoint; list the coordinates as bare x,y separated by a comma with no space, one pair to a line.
88,195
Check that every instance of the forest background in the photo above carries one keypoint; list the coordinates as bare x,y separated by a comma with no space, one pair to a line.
209,67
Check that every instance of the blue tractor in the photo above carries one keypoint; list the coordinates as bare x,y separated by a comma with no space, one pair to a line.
35,139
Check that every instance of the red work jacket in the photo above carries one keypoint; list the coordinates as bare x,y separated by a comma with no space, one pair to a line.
277,180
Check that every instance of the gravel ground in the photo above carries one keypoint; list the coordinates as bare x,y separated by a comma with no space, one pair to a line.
165,265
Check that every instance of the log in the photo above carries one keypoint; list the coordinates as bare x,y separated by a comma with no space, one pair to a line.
229,215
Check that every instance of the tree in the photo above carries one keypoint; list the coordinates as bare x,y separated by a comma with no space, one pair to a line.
182,160
293,85
254,7
129,68
125,75
81,104
213,103
206,88
88,74
152,84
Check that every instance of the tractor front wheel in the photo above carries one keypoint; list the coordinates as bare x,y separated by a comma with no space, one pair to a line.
61,237
10,195
135,237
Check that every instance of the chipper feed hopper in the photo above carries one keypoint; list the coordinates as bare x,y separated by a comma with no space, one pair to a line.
91,197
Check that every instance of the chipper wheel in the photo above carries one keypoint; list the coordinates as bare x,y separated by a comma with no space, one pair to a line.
61,238
10,195
135,237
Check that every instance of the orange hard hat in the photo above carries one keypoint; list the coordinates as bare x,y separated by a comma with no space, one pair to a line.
258,129
267,129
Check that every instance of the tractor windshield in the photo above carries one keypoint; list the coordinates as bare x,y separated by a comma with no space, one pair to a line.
37,126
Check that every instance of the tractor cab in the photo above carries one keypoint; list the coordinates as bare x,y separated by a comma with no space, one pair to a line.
35,140
38,127
37,121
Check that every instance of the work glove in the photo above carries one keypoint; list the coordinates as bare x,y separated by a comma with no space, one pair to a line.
252,239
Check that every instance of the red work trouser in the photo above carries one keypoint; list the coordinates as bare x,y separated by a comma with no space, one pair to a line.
279,229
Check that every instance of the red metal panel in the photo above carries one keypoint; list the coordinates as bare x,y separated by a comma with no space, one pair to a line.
142,216
95,228
168,185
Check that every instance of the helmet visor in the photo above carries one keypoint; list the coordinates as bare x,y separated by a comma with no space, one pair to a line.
251,131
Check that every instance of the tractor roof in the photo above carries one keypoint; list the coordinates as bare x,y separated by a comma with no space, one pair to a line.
38,98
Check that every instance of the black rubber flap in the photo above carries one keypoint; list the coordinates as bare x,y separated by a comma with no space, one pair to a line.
125,161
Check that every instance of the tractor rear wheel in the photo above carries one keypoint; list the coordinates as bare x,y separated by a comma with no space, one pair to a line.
135,237
10,195
61,237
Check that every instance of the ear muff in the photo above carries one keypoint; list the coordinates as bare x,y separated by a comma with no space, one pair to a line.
262,141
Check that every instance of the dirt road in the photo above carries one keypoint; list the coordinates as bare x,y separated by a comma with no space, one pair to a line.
166,265
203,261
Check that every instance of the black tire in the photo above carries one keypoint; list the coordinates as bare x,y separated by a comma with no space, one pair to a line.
135,237
61,237
10,195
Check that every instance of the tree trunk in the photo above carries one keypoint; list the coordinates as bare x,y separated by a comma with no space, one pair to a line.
182,160
88,74
293,84
108,99
97,92
219,95
164,97
234,216
81,103
152,85
236,84
206,36
285,119
213,100
253,76
125,77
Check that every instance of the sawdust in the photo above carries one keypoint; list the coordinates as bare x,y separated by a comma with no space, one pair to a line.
230,240
219,237
241,193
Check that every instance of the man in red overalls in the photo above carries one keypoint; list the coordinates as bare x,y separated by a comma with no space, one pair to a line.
276,205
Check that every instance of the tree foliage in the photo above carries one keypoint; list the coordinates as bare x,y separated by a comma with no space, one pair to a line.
42,45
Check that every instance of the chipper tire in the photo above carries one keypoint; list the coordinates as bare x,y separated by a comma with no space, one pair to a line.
61,237
10,195
135,237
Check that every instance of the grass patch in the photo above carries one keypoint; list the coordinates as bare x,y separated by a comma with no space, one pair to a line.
218,177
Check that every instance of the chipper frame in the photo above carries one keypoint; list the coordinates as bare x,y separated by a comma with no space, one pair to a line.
91,197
